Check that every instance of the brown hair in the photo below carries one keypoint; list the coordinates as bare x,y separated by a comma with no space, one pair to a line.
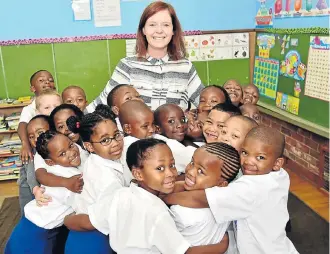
176,48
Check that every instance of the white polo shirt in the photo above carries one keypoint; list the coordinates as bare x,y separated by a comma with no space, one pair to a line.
128,140
52,215
118,124
28,112
98,175
258,204
138,222
199,143
198,226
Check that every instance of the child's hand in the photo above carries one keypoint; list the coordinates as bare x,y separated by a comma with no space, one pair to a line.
26,153
75,183
41,198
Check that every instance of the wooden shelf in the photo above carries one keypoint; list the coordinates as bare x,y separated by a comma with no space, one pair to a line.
4,106
9,177
8,132
9,155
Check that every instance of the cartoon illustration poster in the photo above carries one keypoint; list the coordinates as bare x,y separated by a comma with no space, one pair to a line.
300,8
265,43
264,16
287,103
292,67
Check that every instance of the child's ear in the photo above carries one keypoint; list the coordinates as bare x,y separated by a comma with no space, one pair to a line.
89,147
137,174
157,130
278,164
32,89
115,110
127,128
223,184
50,162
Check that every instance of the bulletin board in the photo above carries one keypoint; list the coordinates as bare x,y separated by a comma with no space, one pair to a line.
291,94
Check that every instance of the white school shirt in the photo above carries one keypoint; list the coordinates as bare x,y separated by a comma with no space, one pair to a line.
258,204
199,143
98,175
182,154
52,215
198,226
118,124
128,140
137,222
28,112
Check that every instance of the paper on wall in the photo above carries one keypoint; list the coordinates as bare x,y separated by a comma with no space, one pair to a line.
81,9
106,13
130,47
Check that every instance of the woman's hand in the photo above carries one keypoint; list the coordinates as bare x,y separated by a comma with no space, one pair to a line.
41,198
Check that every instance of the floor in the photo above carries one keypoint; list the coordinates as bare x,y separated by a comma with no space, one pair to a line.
315,198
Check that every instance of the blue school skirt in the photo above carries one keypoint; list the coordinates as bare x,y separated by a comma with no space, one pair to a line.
28,238
87,242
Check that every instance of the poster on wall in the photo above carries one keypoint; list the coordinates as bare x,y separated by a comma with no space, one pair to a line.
217,46
292,67
287,103
265,76
265,43
317,78
300,8
264,15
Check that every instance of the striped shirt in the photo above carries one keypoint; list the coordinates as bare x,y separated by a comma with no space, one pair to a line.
158,81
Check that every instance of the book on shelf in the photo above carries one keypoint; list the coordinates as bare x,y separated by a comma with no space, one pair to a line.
14,116
10,165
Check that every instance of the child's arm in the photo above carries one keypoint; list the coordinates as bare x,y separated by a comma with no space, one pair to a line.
178,187
180,178
74,183
192,199
31,177
80,222
26,152
218,248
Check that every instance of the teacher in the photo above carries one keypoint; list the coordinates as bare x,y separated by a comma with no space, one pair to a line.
159,71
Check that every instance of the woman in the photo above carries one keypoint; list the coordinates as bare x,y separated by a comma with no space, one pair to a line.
159,71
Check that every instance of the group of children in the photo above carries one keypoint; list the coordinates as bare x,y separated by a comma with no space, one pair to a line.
127,179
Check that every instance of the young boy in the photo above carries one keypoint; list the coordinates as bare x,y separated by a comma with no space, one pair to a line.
75,95
171,122
40,81
234,90
235,129
47,101
195,128
250,94
251,111
257,201
216,119
211,96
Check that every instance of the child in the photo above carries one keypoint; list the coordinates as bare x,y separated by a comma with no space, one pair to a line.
40,81
36,232
47,101
235,91
28,185
171,122
250,94
136,220
251,111
216,119
195,128
212,165
257,201
103,168
75,95
235,129
211,96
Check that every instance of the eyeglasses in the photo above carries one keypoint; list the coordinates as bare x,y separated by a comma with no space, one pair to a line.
107,141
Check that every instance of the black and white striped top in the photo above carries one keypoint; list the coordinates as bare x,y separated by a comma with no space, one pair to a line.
158,81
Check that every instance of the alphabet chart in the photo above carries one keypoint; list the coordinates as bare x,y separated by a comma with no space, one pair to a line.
318,65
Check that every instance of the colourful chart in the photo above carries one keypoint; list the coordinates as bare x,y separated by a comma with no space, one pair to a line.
287,103
265,76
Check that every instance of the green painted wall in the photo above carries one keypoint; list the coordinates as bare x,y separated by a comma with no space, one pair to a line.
90,65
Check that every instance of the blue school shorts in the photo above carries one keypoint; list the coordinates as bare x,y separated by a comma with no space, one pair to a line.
87,242
28,238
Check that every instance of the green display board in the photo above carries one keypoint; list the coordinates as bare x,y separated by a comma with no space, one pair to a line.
311,111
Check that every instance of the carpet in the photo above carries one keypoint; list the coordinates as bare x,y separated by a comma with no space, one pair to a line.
9,216
309,232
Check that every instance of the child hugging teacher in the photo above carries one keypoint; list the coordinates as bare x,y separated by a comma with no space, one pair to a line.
159,71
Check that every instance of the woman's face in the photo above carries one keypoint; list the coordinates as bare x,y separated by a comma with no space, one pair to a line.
158,31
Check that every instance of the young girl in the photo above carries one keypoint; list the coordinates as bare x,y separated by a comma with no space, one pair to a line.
211,96
37,230
214,164
235,91
135,218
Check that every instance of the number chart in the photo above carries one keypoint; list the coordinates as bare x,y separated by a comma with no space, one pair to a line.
318,65
265,76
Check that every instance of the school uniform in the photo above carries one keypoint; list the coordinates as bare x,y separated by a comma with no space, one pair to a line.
199,144
128,140
28,112
258,205
137,222
118,124
37,230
